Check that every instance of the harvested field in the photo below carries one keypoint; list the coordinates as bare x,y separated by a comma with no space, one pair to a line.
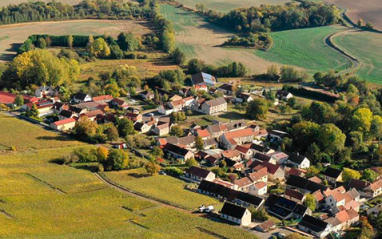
366,47
368,11
12,36
227,5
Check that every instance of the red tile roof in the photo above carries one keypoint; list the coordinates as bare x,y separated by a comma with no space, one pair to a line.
203,133
64,121
102,97
231,153
376,185
7,98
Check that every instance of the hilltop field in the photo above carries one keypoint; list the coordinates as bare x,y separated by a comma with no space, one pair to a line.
363,46
303,48
41,199
12,36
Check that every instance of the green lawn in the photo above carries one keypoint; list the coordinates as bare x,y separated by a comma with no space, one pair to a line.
366,47
306,48
162,187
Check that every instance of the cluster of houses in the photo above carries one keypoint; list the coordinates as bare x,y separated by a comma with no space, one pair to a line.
241,148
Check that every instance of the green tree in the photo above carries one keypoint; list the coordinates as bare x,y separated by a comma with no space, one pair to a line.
348,174
112,133
369,175
85,129
177,131
199,143
99,48
116,160
168,41
125,127
331,139
116,52
179,56
41,43
101,154
34,111
257,109
19,100
70,41
152,168
157,152
191,162
361,119
376,127
310,202
304,134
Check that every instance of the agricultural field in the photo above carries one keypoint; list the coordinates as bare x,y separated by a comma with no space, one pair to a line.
162,187
29,136
306,48
365,46
12,36
7,2
227,5
368,11
41,199
303,48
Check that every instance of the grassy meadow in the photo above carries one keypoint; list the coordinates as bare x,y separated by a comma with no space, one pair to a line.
306,48
366,47
40,199
7,2
302,48
11,36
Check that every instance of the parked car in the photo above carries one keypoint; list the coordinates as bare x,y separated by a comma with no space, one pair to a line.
203,208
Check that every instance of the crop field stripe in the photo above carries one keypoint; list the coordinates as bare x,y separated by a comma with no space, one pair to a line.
45,183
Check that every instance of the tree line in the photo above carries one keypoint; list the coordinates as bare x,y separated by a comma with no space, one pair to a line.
87,9
260,41
275,17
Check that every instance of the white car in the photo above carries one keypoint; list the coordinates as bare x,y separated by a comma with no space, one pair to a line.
203,208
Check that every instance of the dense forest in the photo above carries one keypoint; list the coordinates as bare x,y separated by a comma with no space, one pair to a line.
275,17
40,11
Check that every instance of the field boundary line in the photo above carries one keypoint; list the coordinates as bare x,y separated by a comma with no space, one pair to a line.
46,183
125,190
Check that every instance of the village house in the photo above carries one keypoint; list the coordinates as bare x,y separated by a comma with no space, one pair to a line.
142,127
346,219
235,125
103,98
217,188
81,97
247,200
374,210
284,208
256,148
46,91
279,157
374,189
161,128
216,130
118,103
135,117
210,107
226,89
259,188
277,135
199,174
243,97
236,214
147,95
245,151
63,125
275,172
283,95
243,184
314,226
92,115
232,154
298,160
177,152
229,140
44,108
304,185
332,175
294,195
203,79
59,106
266,226
66,114
90,106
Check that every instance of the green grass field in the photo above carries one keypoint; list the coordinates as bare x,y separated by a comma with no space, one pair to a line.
26,135
40,199
366,47
162,187
305,48
227,5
